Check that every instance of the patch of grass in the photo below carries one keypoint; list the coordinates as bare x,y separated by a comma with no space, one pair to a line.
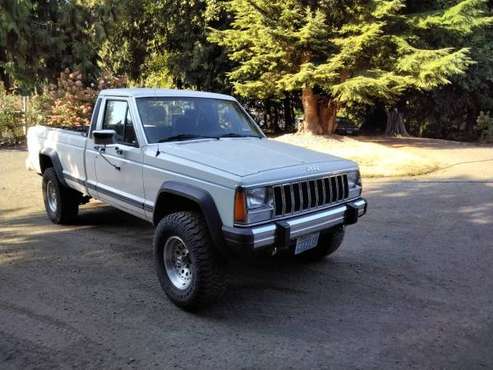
374,159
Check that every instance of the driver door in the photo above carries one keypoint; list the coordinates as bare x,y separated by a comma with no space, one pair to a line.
121,183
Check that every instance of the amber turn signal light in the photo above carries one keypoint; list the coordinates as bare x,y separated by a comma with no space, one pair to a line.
240,206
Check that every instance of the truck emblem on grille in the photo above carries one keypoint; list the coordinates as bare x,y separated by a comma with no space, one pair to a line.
312,169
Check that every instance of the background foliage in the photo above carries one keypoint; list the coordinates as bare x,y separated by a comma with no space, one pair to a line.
10,117
423,67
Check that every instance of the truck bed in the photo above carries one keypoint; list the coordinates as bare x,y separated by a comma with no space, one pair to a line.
43,139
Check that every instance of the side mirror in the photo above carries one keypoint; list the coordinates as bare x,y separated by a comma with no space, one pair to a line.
104,137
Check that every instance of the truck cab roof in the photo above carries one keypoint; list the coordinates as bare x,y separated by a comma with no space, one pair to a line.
146,92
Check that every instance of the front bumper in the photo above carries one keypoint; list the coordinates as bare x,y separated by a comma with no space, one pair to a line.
281,233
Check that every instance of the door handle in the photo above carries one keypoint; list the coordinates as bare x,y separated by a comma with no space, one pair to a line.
119,150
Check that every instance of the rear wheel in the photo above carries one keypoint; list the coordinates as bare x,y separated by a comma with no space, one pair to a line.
189,269
329,242
61,202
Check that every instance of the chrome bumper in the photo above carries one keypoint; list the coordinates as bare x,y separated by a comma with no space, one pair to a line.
281,233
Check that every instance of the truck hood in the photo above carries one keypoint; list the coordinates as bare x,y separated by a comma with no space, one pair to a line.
245,156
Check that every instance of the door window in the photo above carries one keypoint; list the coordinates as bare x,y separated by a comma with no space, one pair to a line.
117,117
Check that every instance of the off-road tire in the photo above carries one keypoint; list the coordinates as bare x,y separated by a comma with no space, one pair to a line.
208,281
329,242
67,199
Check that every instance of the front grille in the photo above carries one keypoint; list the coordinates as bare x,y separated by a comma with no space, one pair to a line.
314,193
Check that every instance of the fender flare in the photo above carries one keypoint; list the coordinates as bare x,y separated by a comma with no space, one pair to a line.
204,201
57,165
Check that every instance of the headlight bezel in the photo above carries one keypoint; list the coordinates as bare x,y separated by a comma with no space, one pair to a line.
260,197
257,203
354,183
354,179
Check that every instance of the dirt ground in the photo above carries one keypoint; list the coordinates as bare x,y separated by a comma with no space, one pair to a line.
411,287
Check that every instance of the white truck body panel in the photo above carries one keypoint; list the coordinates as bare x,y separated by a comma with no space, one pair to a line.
71,143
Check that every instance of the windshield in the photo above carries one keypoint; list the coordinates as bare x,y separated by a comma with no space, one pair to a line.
173,119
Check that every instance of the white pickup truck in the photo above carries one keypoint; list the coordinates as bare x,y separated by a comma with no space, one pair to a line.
197,166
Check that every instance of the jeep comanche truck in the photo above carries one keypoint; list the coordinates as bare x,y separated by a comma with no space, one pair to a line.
197,167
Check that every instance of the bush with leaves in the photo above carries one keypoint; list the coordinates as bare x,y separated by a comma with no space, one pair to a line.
39,108
10,117
70,101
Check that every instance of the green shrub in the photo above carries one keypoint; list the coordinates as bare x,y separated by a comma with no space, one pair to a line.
11,125
70,101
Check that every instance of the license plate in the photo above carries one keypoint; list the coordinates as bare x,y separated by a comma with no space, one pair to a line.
306,242
349,131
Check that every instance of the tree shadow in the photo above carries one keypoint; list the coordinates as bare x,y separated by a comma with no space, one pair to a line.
14,147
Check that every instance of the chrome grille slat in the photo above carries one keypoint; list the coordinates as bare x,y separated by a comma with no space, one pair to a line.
309,192
333,189
315,187
291,190
329,190
283,197
288,199
320,192
346,186
324,197
304,189
298,197
301,196
337,188
340,183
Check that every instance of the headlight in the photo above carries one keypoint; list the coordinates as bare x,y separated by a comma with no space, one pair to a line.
354,182
257,198
253,205
353,179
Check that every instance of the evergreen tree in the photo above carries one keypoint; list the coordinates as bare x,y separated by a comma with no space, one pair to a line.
38,39
431,113
164,43
16,59
345,52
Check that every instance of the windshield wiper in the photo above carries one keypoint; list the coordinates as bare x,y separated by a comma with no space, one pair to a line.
182,137
233,134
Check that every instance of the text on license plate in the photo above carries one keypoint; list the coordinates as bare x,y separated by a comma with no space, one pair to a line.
306,242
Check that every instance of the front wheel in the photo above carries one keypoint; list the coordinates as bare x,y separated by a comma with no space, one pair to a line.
61,203
329,242
189,269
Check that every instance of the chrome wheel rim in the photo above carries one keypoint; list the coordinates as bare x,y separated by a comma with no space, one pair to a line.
177,262
51,196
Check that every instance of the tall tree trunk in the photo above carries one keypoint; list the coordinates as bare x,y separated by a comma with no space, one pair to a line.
328,114
266,119
320,113
268,115
288,114
4,77
472,116
276,127
311,114
395,123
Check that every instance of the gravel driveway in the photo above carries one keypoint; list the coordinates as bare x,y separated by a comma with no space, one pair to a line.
412,287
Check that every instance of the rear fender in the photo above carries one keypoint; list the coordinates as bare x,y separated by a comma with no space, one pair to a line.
55,161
